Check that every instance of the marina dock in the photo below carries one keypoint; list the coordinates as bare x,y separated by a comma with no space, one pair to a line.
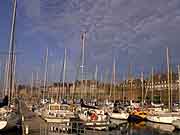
32,124
30,121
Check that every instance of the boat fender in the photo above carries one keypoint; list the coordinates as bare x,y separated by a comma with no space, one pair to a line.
94,116
26,129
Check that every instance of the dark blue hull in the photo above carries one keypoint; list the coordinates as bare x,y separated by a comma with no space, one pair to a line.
135,118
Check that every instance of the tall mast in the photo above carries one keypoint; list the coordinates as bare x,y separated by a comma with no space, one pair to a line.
132,97
96,80
123,87
14,75
168,77
101,85
179,83
105,83
114,78
152,83
142,86
83,37
171,84
38,83
73,92
6,79
2,77
111,87
130,78
11,53
64,71
45,73
32,84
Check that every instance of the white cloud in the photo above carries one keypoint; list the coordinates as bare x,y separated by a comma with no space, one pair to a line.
135,27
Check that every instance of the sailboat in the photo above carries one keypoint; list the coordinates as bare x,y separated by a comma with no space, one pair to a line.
9,117
139,115
94,118
57,113
154,107
163,116
91,116
44,101
152,96
117,113
60,113
176,123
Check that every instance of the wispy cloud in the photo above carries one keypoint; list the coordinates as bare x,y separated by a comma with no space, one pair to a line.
130,28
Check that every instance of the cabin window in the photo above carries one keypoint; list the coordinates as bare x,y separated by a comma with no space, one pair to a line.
64,107
54,108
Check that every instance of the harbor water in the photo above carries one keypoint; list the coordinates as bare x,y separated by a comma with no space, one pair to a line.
142,128
124,128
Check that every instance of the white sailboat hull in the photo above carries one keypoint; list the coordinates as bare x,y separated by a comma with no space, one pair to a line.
99,124
176,123
56,120
10,123
119,116
166,119
3,124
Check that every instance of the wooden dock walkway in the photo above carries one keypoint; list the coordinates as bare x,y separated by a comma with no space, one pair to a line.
31,121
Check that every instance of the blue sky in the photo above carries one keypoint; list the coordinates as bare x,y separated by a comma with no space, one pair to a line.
132,31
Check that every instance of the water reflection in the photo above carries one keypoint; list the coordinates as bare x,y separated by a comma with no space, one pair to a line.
148,128
16,131
143,128
125,128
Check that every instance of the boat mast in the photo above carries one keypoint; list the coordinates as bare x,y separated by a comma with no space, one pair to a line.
130,78
1,83
96,80
38,84
110,93
6,79
123,87
101,86
1,80
105,84
32,84
64,71
45,74
179,83
132,96
171,84
168,79
14,75
114,79
83,37
142,86
11,54
152,84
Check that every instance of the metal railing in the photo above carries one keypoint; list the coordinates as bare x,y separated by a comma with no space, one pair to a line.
72,128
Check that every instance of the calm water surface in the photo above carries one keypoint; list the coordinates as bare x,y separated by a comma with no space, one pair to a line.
143,128
146,128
